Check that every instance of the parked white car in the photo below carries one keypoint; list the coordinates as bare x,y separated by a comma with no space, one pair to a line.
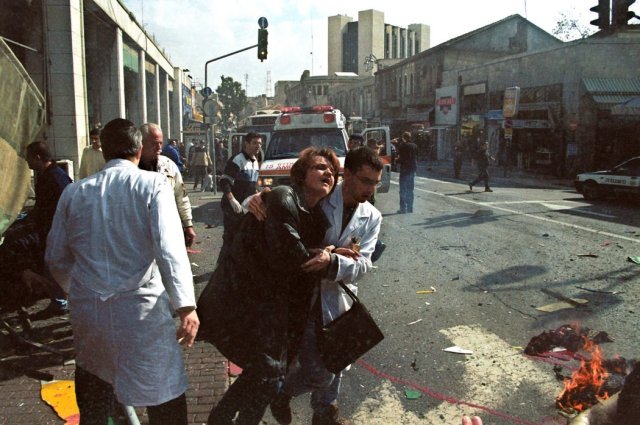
623,179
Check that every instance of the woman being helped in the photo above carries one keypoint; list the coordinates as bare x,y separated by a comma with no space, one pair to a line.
258,299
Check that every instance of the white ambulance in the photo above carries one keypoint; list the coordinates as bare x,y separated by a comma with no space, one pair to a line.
322,126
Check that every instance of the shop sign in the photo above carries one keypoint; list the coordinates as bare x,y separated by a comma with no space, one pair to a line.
511,102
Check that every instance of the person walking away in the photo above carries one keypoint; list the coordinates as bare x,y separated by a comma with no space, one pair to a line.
408,164
482,158
152,160
113,247
92,160
258,299
457,159
240,180
355,226
199,163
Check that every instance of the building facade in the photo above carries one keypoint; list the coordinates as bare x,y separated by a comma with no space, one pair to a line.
364,45
93,62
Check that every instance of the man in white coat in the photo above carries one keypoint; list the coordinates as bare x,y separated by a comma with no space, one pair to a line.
355,228
116,247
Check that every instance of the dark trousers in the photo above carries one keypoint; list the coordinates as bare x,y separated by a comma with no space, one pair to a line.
199,173
406,191
457,166
97,402
483,175
231,222
248,396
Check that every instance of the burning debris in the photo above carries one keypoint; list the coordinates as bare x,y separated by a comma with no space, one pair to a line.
596,379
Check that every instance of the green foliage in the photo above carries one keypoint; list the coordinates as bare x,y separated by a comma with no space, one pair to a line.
568,28
234,99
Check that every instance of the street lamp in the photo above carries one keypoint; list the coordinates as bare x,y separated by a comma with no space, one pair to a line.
369,61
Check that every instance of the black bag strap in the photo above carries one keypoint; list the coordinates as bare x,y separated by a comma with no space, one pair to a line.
320,320
349,292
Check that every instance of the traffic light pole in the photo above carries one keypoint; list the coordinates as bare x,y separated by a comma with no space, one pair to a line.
209,138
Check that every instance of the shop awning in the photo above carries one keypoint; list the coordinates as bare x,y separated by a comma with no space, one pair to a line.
609,92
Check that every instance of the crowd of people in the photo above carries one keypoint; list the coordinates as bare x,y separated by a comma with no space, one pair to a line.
116,256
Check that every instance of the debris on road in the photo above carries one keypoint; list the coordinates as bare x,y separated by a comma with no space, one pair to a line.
414,322
426,291
457,350
598,291
588,255
571,301
195,265
412,394
562,305
634,259
567,336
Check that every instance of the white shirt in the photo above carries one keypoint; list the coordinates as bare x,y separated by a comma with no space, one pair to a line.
111,229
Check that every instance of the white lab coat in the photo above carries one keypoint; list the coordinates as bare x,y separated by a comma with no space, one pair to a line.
117,247
364,224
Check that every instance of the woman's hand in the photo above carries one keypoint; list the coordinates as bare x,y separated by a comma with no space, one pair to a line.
257,207
189,324
320,260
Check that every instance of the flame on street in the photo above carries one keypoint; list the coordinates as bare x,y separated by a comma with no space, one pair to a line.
584,389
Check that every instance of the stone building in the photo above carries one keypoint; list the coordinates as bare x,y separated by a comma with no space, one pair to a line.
567,119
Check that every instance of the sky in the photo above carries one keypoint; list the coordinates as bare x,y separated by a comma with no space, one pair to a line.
194,31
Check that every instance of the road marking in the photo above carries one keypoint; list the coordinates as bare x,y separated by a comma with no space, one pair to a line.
532,216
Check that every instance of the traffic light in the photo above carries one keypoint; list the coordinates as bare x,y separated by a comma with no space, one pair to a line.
602,9
621,13
262,44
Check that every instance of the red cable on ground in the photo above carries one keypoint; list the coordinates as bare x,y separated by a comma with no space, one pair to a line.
449,399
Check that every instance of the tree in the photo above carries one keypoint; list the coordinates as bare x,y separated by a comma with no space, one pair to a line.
568,28
233,98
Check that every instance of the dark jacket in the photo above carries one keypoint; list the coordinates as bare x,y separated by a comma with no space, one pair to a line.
408,152
257,302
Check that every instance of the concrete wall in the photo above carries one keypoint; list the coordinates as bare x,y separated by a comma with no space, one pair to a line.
336,27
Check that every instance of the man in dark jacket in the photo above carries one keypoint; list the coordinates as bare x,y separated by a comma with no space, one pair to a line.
482,158
237,183
24,245
408,163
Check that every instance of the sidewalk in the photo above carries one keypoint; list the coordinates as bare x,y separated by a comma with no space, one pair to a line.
20,401
519,178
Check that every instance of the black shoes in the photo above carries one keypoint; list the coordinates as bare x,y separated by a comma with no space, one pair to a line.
281,410
488,189
470,187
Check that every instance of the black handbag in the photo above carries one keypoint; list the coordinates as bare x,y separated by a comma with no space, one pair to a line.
347,338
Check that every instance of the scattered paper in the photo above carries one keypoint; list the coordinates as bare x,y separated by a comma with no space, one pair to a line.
558,349
414,322
412,394
457,350
61,396
634,259
195,265
562,305
588,255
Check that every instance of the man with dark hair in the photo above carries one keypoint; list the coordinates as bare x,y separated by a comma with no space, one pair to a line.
92,159
482,158
408,164
237,183
355,225
22,253
112,248
355,141
152,160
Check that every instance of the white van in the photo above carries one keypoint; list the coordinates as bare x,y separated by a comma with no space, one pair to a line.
322,126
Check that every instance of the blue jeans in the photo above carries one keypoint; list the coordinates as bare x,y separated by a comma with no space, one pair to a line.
311,375
406,191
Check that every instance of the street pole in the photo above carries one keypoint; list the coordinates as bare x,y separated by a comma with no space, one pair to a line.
211,138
